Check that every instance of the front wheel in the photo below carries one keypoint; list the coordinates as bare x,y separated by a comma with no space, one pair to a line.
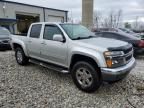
86,76
20,56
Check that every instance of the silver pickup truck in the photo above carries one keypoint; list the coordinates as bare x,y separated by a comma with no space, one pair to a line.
72,48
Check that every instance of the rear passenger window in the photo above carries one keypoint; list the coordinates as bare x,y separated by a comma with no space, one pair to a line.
99,34
35,31
110,35
50,31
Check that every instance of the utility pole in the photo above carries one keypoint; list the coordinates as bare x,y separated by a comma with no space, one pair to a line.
87,13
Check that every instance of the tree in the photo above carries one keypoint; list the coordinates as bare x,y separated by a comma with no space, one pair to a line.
119,18
127,25
113,20
136,23
97,18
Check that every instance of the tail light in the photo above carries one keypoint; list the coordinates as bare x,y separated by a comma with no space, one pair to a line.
141,43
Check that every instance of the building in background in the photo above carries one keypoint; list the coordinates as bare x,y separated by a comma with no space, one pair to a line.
22,15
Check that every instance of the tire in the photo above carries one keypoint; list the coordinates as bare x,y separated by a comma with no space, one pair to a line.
21,57
91,74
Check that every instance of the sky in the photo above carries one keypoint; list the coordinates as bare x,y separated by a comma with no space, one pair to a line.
131,8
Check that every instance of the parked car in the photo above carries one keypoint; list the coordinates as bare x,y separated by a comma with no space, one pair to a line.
119,30
72,48
105,29
131,33
142,36
137,43
5,37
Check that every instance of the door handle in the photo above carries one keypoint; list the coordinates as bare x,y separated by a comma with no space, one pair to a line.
43,43
30,41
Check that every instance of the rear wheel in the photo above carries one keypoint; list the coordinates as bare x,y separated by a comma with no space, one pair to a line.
20,56
86,76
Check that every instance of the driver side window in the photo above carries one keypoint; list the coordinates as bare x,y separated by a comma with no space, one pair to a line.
50,31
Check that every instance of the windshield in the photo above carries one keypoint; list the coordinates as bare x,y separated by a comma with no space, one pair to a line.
75,31
4,32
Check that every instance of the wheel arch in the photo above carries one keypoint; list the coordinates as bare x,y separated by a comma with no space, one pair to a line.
16,45
78,57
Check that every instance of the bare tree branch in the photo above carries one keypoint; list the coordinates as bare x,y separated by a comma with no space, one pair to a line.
113,20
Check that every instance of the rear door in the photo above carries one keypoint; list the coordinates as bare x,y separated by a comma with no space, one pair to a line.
53,51
34,41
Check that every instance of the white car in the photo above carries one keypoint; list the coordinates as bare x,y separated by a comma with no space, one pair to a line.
5,37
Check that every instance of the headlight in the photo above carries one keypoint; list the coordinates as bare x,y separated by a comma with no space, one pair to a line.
113,53
114,58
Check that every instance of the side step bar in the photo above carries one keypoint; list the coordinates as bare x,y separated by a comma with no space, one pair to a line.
49,66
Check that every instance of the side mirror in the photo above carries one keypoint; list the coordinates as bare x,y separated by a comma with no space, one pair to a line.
58,37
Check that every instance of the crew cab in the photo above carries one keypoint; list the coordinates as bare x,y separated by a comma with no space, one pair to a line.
72,48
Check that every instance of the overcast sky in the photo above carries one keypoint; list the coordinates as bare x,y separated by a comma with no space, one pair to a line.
131,8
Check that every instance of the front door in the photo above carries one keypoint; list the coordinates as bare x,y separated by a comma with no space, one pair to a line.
53,51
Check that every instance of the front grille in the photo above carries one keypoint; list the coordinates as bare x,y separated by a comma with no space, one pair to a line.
128,58
128,54
126,51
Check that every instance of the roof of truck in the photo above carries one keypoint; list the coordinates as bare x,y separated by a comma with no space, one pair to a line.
53,23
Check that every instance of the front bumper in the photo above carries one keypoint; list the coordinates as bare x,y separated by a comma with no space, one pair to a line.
138,50
117,73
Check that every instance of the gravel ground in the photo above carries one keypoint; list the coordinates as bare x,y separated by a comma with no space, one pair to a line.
37,87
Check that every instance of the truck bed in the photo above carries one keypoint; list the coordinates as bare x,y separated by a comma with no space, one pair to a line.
19,37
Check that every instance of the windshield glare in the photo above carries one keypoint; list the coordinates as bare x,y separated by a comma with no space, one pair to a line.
75,31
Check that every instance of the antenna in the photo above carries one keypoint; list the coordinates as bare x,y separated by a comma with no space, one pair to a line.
72,22
71,16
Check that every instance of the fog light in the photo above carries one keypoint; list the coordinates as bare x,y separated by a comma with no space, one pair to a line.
114,62
109,62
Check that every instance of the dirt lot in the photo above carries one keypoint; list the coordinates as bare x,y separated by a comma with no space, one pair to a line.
34,86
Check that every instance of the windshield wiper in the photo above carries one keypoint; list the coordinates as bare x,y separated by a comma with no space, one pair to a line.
91,36
78,38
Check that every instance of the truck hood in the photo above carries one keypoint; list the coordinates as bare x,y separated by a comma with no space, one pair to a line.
99,42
